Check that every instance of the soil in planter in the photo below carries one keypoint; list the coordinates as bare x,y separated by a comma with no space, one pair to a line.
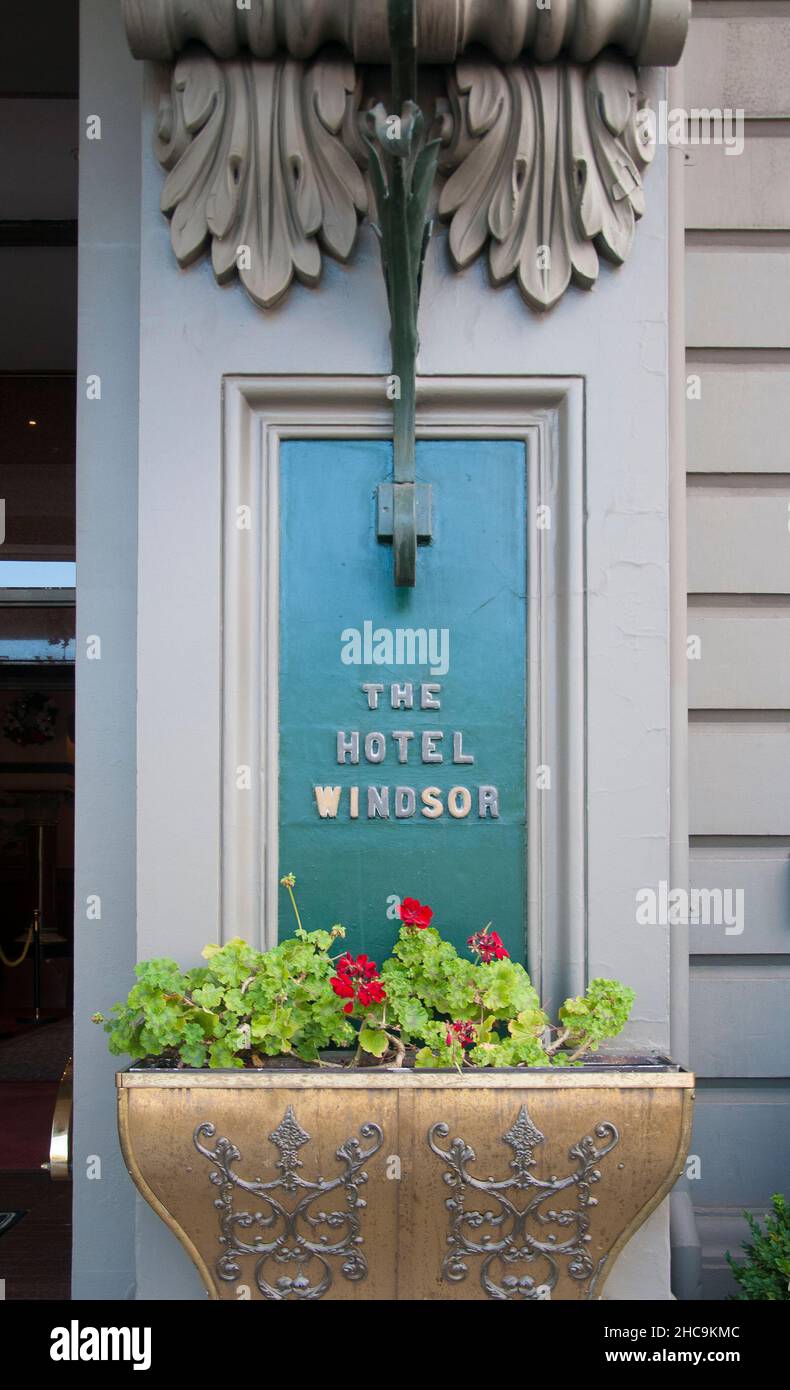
600,1062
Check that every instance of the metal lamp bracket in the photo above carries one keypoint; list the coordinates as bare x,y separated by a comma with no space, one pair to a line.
385,519
403,168
259,104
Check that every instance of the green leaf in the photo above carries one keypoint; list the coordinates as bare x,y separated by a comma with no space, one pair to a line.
194,1054
601,1014
425,1058
528,1026
222,1054
491,1054
506,988
373,1040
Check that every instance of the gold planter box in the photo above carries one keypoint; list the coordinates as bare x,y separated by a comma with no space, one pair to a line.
389,1184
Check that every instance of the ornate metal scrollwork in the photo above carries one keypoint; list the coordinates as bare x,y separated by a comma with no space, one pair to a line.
508,1239
285,1236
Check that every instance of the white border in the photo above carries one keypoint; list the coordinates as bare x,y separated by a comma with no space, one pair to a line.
548,415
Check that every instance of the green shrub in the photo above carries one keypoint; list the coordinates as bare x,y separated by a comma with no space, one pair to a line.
765,1273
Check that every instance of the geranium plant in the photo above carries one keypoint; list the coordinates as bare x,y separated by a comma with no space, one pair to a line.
306,997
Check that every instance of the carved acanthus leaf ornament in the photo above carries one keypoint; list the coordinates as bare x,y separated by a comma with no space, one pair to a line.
545,167
260,163
265,160
544,150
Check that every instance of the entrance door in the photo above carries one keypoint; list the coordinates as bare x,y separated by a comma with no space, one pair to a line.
403,711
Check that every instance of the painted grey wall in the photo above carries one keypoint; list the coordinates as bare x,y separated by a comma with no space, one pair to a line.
193,333
615,338
738,332
105,950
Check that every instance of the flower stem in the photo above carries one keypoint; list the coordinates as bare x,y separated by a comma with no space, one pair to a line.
555,1046
400,1050
295,908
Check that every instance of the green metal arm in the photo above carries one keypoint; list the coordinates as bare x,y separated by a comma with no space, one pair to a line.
403,167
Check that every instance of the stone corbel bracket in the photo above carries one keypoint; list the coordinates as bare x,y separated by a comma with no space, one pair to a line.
544,147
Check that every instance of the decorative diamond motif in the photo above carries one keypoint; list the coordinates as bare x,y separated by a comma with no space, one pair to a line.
289,1137
523,1138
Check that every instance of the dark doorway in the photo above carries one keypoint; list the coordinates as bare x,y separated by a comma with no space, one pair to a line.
38,265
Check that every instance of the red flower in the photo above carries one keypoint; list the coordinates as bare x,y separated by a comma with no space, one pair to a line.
357,980
415,914
344,990
371,993
461,1032
488,946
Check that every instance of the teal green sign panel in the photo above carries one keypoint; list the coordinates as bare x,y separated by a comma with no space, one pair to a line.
403,711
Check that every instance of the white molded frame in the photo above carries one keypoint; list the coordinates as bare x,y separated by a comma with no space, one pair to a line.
548,415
